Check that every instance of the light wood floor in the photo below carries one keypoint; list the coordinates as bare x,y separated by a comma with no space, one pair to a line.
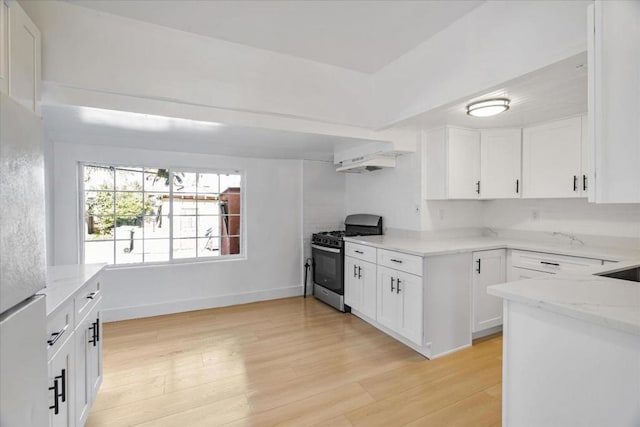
290,362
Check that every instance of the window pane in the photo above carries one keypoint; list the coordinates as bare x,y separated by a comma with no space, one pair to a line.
230,225
208,183
184,204
208,247
184,226
98,178
184,248
129,227
184,182
208,226
229,181
208,205
157,203
130,204
157,180
128,251
98,228
229,245
98,252
156,250
156,227
129,179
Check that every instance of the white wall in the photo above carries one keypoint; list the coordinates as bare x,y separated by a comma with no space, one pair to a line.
393,193
323,202
87,49
575,216
272,206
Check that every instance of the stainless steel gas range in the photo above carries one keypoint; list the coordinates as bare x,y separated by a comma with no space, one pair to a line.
327,250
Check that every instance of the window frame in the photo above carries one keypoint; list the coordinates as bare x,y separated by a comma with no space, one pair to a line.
172,261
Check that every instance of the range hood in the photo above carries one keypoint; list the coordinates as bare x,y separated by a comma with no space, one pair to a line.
366,164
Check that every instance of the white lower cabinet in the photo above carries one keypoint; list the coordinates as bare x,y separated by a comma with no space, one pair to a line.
490,268
88,363
400,303
61,374
75,366
360,286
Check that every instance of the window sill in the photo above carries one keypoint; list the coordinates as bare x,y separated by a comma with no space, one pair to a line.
176,262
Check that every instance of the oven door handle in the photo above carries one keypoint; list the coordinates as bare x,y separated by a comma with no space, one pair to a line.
322,248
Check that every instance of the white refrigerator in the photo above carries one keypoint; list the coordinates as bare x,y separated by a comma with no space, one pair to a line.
24,393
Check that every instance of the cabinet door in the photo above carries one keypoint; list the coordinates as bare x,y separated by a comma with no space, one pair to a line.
387,307
489,269
463,163
367,279
61,382
352,285
409,293
95,354
83,338
24,58
614,102
551,159
500,163
4,46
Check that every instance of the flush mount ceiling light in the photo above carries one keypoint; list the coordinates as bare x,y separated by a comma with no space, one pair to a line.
488,107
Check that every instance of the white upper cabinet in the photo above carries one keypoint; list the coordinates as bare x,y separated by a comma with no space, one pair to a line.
19,56
614,101
452,161
551,159
500,163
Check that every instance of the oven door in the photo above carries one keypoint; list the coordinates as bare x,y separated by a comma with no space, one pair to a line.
327,268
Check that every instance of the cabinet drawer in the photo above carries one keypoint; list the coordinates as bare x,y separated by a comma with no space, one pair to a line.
59,328
551,263
86,298
400,261
365,253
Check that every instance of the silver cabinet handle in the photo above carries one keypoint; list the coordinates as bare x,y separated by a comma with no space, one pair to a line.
398,286
392,288
55,336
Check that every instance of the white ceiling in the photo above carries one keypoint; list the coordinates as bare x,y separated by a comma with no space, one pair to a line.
359,35
556,91
122,129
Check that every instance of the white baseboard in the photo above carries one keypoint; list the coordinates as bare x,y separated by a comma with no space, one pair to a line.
179,306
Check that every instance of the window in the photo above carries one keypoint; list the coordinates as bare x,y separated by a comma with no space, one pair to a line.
142,215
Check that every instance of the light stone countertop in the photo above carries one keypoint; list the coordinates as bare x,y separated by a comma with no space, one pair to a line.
585,296
438,246
63,281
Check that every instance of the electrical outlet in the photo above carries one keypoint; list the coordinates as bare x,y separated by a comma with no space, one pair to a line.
535,215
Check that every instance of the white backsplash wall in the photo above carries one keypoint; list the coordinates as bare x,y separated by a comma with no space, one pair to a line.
323,200
574,216
393,193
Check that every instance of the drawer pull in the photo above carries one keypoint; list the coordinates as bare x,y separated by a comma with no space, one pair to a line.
555,264
55,406
359,252
359,272
399,261
55,336
397,286
63,379
91,295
